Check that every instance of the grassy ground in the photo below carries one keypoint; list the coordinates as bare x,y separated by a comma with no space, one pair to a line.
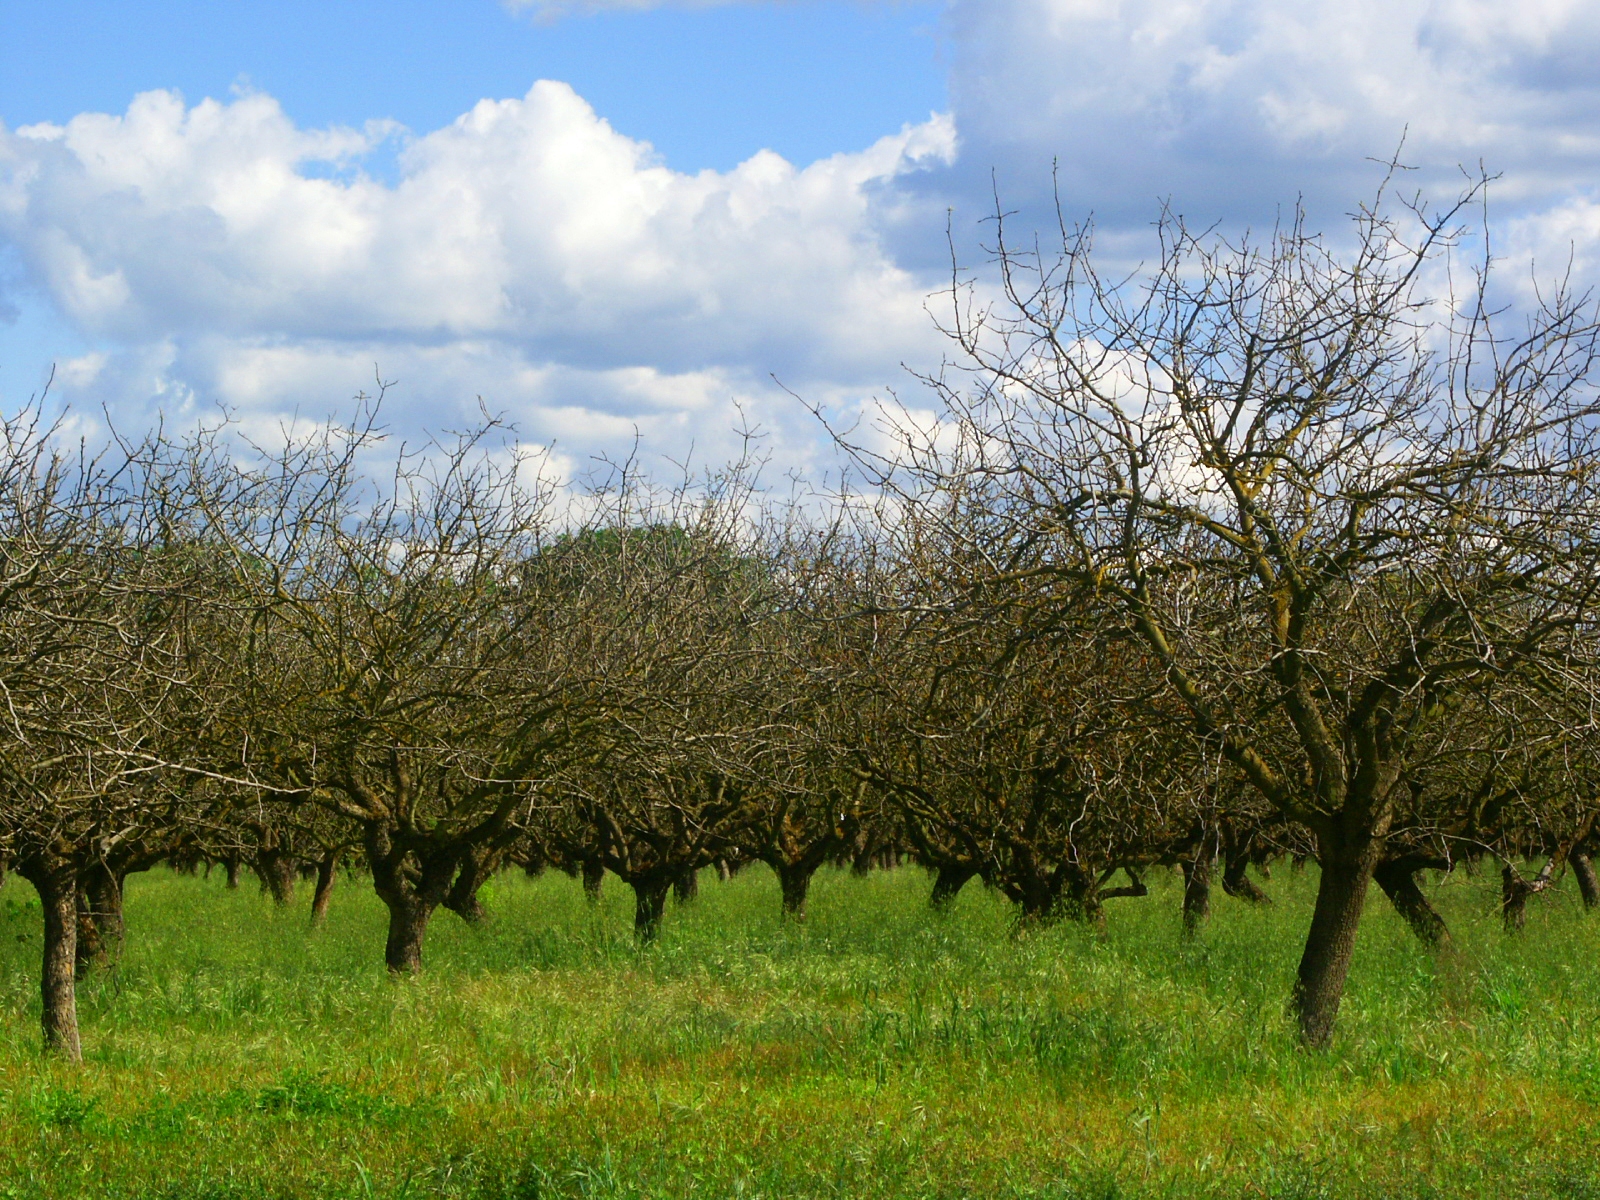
878,1050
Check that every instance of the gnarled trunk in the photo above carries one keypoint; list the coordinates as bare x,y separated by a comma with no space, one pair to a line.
1082,899
408,925
276,868
686,886
1398,879
1196,889
56,882
411,882
650,903
90,952
1238,884
594,874
1347,865
99,905
794,880
1514,893
863,862
327,870
462,899
1588,885
947,885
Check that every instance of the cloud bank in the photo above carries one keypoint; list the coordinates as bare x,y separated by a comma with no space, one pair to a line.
1232,107
532,254
528,248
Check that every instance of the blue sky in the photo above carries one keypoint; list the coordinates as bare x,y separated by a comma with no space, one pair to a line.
707,87
259,205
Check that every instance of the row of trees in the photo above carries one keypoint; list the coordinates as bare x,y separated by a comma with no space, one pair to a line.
1264,553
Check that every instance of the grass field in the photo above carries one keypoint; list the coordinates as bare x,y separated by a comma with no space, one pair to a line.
878,1050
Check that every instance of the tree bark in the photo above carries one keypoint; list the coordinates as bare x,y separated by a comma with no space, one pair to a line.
231,865
327,870
686,886
1083,901
408,925
650,903
947,885
1588,885
594,874
1398,879
57,885
1331,941
411,883
1196,890
276,870
89,951
1238,884
100,926
463,895
1513,899
795,882
104,889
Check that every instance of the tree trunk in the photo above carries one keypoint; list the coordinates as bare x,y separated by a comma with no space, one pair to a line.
594,874
723,871
100,925
1514,894
231,864
1083,898
1196,890
57,885
276,871
102,888
1588,885
411,883
947,885
650,903
408,925
1331,941
795,883
463,897
1238,884
1398,879
89,951
327,870
687,885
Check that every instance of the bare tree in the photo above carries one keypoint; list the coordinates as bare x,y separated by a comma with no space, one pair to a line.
1327,503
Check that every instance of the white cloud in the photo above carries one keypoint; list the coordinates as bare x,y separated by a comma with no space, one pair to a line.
527,249
1233,107
531,253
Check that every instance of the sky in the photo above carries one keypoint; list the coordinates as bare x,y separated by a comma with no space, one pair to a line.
620,221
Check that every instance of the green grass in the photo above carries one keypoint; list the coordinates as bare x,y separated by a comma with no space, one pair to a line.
878,1050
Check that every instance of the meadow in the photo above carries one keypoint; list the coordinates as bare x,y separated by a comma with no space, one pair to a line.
876,1050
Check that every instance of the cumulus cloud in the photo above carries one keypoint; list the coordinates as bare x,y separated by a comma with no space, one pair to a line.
1233,107
530,253
527,249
